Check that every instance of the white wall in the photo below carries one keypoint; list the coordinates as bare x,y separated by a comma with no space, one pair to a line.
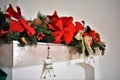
101,15
4,3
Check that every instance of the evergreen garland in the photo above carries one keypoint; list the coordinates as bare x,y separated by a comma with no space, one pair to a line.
31,40
41,16
12,36
41,28
48,33
48,38
100,45
78,45
8,38
1,41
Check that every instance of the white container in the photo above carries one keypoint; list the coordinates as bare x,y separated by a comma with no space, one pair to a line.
12,55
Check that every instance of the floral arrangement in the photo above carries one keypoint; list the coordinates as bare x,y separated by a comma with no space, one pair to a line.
49,28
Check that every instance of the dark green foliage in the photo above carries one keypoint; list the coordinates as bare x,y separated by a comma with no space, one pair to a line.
78,45
1,41
41,28
31,40
45,30
8,38
41,16
2,18
102,46
95,44
48,38
12,36
3,24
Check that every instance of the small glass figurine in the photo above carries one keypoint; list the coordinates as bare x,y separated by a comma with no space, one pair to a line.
47,66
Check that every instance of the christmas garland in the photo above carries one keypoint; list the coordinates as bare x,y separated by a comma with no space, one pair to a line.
50,28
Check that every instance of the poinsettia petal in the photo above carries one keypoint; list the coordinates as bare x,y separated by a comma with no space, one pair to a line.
51,27
15,26
54,18
67,20
12,12
68,33
93,34
78,27
2,32
59,25
30,30
54,15
86,34
98,40
58,35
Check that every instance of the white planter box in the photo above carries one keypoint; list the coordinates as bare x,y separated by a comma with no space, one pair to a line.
11,55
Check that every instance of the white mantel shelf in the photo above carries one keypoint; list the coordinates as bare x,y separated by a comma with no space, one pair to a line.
11,55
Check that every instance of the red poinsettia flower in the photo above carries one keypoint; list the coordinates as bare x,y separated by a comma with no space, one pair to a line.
68,28
2,32
91,33
98,38
40,36
63,28
20,24
53,19
94,35
79,30
79,26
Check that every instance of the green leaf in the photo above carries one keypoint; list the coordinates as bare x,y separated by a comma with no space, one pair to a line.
41,16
